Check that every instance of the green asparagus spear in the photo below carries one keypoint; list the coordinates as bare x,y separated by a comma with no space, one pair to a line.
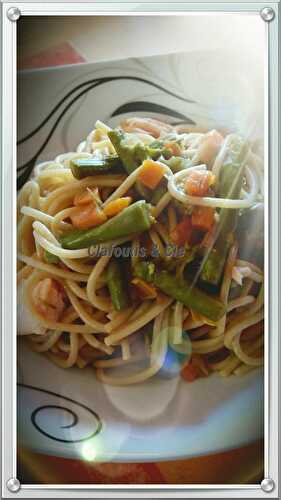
159,191
85,167
229,186
134,219
182,290
117,286
177,163
50,258
132,155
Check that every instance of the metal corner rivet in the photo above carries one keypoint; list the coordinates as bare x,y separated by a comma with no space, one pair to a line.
267,14
13,485
13,13
267,485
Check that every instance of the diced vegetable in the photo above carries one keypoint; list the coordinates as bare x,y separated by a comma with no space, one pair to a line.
155,153
174,148
49,298
229,186
86,197
183,232
50,258
132,220
85,167
160,190
177,163
209,147
198,182
88,216
201,364
145,290
116,206
83,198
131,156
190,372
181,289
117,286
151,173
196,368
203,218
132,153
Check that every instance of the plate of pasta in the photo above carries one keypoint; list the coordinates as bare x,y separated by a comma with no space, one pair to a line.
140,293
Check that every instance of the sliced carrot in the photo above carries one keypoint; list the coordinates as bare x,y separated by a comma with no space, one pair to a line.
196,368
190,372
203,218
201,364
145,290
88,216
151,173
183,232
198,182
174,148
86,197
82,199
116,206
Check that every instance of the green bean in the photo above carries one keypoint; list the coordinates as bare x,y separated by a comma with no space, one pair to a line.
132,220
229,186
182,290
50,258
117,286
85,167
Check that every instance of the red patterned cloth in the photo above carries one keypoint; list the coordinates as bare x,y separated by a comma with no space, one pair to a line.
239,466
59,55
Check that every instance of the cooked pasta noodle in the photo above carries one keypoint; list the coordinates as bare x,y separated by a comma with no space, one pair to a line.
95,231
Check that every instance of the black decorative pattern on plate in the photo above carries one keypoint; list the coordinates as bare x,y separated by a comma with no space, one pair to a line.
35,413
150,107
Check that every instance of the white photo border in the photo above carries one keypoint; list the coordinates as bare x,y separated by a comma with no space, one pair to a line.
8,239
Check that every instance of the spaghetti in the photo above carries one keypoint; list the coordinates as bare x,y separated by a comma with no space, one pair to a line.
129,249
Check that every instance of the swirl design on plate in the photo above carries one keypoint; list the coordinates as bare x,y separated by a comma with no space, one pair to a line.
48,409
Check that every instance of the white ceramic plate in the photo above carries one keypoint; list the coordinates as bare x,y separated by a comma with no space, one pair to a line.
67,412
158,420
